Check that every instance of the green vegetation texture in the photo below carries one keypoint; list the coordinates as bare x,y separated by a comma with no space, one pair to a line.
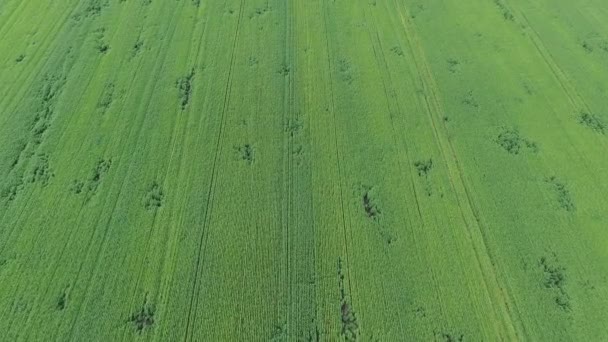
321,170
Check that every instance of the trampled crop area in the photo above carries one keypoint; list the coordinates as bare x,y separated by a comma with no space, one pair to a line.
323,170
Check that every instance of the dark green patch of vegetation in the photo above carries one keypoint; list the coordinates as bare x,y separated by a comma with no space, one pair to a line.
592,121
139,44
293,127
184,85
554,279
92,183
143,319
449,337
397,50
470,100
563,194
252,61
587,46
424,167
40,171
20,58
106,98
350,326
76,187
453,65
259,11
154,198
62,301
514,143
369,204
506,12
94,7
246,153
103,48
284,70
345,70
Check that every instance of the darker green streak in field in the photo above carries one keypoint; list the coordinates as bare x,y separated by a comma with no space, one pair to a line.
592,121
564,198
246,153
154,198
424,168
143,319
513,142
40,171
184,86
449,337
92,183
554,280
369,204
106,98
350,326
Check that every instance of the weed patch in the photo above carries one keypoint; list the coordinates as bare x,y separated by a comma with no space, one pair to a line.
345,70
293,127
424,167
564,198
592,121
350,326
246,153
40,171
554,280
587,47
506,12
106,98
397,51
470,100
143,319
10,191
137,47
90,186
514,143
370,206
449,336
284,70
20,58
95,7
76,187
453,65
154,198
184,86
62,301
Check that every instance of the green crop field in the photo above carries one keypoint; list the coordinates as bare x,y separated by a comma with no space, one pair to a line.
322,170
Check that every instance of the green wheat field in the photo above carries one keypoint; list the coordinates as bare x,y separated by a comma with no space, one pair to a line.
289,170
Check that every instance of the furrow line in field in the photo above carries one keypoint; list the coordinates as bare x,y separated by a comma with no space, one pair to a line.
210,192
434,109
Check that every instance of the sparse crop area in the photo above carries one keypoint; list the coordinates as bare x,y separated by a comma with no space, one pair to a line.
322,170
